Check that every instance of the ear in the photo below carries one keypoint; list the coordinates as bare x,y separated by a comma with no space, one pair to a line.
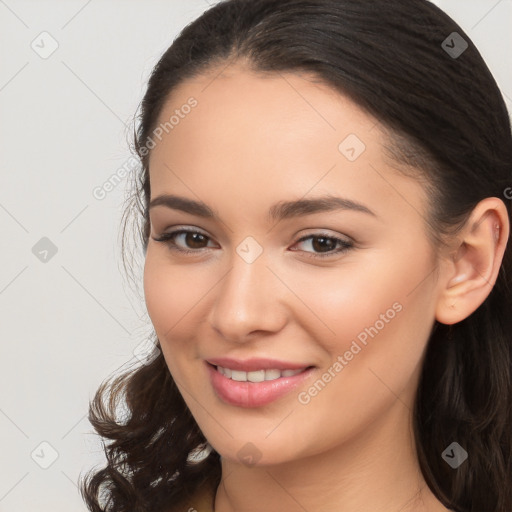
471,270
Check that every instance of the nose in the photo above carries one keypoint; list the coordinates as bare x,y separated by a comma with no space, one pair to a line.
249,302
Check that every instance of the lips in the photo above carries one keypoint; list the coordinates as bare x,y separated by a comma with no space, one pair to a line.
254,382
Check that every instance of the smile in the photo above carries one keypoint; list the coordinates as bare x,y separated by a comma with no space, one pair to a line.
255,387
257,375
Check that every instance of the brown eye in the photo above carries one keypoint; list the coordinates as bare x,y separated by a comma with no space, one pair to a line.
324,246
191,241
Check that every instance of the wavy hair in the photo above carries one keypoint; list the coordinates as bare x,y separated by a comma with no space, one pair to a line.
449,127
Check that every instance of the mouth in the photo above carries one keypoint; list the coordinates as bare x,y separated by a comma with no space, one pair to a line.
255,387
258,375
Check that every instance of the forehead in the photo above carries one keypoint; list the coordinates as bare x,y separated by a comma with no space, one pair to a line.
274,134
266,109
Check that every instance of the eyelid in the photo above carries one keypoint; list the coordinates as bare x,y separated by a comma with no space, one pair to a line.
313,231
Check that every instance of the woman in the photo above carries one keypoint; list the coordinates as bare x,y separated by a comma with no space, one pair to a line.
324,194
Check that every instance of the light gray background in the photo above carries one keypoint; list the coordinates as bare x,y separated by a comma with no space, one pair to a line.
69,322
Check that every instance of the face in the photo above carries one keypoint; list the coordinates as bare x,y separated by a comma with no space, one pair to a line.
331,302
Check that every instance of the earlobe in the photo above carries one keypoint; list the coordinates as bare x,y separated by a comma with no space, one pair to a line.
472,269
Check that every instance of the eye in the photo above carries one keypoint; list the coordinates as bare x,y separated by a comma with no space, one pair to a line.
325,244
195,241
195,238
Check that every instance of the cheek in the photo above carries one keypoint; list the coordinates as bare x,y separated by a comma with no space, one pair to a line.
373,360
170,295
341,303
382,315
161,303
378,312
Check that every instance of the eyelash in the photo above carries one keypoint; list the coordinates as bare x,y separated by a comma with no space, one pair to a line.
168,239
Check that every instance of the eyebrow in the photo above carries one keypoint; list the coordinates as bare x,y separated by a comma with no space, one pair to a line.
279,211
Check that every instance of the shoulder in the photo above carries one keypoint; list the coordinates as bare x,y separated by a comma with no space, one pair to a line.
202,501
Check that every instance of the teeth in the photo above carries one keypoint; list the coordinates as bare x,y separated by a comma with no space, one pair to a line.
238,375
256,376
289,373
272,374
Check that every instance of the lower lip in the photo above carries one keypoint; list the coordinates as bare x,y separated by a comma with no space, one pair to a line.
253,394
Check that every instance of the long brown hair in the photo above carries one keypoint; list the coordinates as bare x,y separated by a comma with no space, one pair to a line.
448,123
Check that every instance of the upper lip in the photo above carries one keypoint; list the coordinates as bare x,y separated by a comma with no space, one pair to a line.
256,363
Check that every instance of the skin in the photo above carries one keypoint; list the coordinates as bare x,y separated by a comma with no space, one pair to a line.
254,140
